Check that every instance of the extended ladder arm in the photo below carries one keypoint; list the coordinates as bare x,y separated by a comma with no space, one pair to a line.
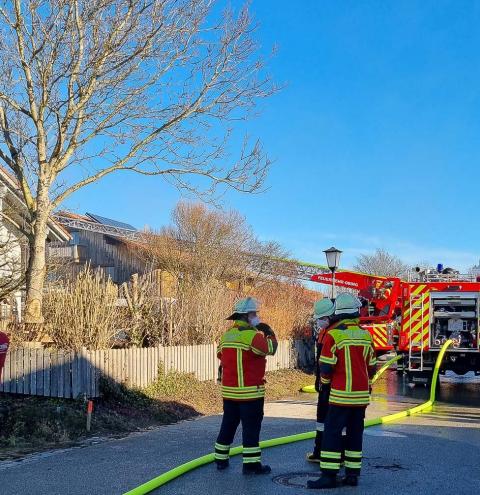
349,280
367,286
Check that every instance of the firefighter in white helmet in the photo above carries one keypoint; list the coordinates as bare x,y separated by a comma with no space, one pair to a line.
347,364
322,319
242,352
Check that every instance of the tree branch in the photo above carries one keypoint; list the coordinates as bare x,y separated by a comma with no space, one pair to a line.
14,105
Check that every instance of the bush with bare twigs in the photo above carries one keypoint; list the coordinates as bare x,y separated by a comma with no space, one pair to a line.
83,312
286,307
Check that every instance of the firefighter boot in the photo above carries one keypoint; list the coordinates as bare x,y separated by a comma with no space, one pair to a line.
350,480
326,482
315,455
256,468
222,464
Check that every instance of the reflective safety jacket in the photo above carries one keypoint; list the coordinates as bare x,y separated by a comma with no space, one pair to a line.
242,352
348,363
318,352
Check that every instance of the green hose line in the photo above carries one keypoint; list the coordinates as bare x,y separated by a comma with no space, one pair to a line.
310,389
387,365
274,442
426,406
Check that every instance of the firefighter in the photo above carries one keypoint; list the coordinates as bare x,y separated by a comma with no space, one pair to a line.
322,312
242,352
347,365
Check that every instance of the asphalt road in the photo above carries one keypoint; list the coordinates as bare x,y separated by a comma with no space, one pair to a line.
434,452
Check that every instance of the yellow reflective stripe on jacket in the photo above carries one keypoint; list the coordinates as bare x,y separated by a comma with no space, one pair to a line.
244,389
240,368
348,369
243,347
358,342
349,393
257,351
328,360
358,400
243,393
357,334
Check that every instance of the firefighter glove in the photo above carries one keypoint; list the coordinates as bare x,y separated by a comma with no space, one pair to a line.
265,329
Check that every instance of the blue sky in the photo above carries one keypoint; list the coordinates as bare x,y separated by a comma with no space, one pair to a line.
376,136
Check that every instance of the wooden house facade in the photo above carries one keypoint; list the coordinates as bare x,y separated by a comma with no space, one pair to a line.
100,243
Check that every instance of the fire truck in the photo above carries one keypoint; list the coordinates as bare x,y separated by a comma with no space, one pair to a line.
415,317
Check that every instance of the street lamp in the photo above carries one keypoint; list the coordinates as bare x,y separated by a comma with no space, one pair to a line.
333,261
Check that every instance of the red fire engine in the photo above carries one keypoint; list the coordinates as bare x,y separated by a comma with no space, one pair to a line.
416,317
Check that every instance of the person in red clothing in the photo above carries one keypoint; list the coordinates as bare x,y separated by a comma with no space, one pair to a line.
347,366
4,343
322,313
242,352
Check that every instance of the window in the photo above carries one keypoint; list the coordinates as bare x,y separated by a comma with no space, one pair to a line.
111,240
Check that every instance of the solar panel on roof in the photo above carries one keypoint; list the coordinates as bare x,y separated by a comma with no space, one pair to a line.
110,222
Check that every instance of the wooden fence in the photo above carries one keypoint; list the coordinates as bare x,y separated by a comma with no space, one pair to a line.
72,375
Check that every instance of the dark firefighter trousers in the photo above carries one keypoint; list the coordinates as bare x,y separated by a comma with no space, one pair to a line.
338,418
250,414
322,410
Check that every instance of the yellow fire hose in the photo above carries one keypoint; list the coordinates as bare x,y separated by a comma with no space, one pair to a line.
274,442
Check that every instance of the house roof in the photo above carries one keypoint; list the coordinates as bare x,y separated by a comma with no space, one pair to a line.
110,222
74,216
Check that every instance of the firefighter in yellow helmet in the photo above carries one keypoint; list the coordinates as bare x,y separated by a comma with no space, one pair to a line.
242,352
347,366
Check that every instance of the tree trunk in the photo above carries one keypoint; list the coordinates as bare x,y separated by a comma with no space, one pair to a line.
36,270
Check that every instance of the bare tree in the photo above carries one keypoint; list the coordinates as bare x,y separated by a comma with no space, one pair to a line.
212,257
381,263
474,270
92,87
208,244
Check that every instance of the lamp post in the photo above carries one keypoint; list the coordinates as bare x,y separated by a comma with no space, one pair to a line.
333,261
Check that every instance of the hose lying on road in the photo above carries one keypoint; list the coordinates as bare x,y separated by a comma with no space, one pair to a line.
310,389
274,442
